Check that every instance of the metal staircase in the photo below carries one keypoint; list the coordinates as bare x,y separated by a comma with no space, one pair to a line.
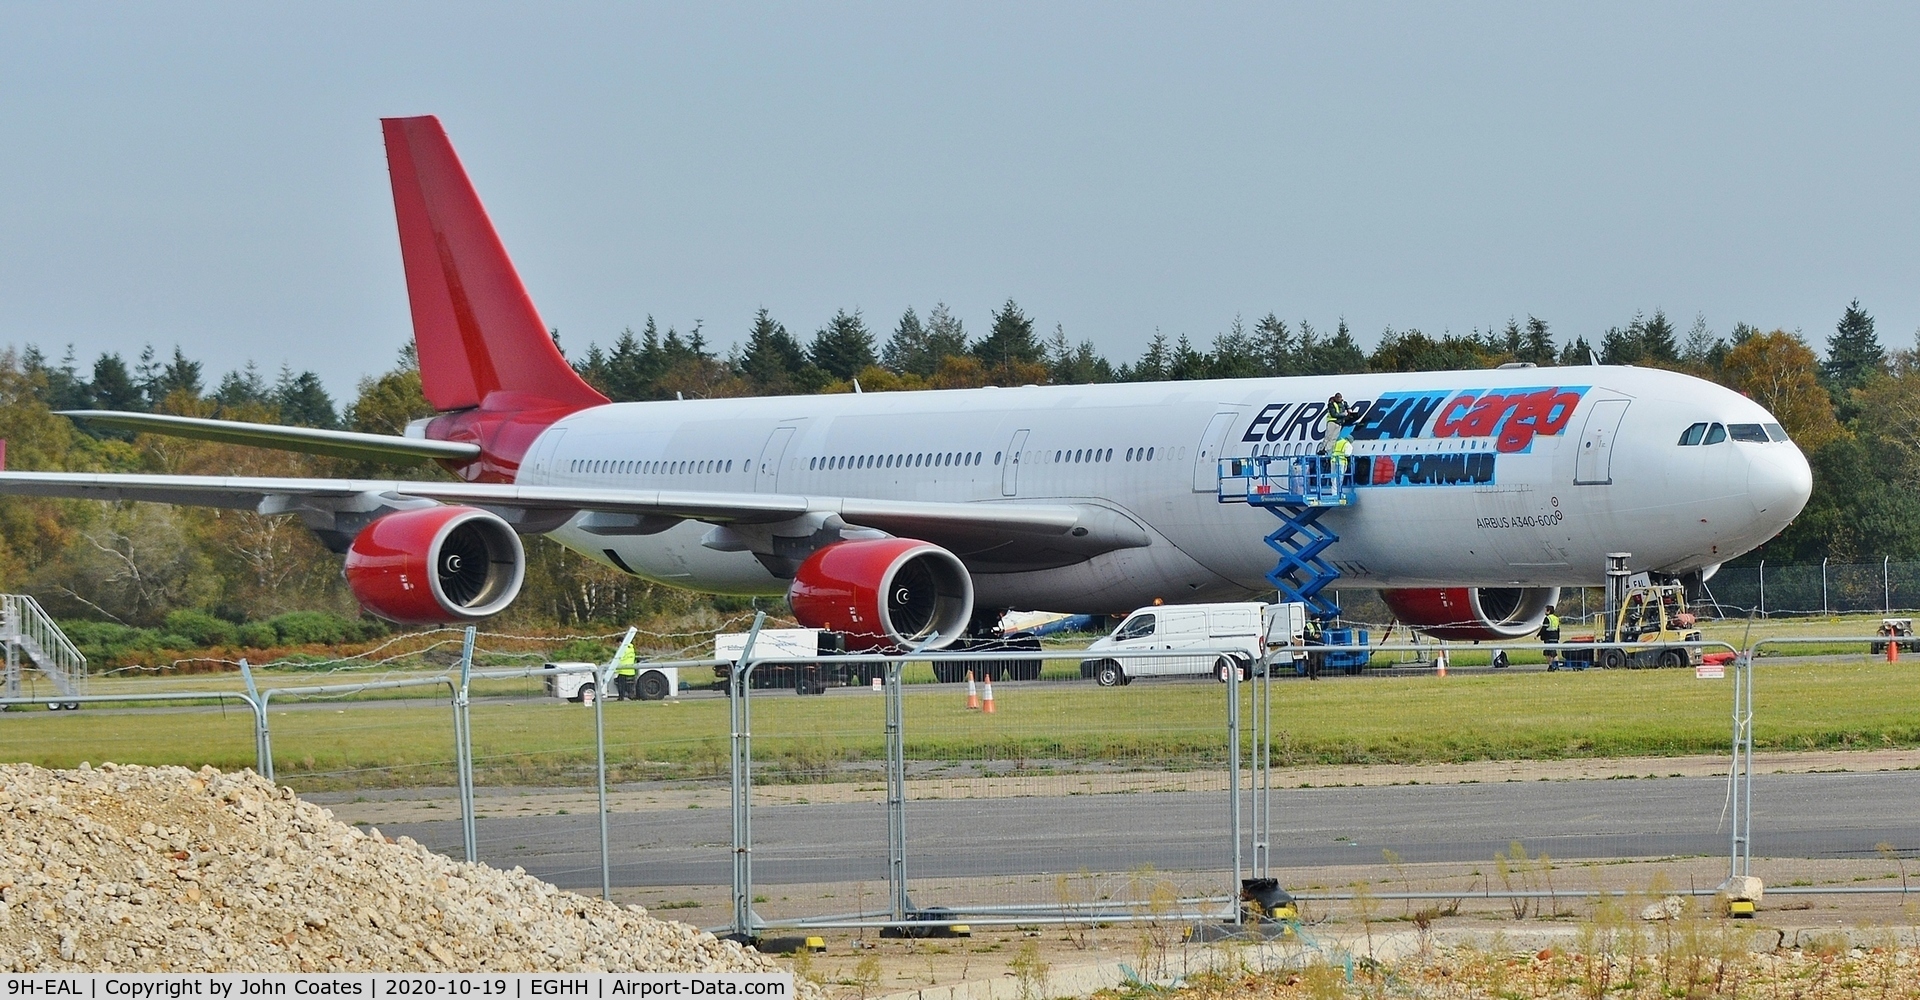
1297,489
33,639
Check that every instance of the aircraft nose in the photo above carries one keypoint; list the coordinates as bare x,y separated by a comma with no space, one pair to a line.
1779,481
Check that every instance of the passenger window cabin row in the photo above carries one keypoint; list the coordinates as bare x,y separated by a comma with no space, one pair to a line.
916,460
620,467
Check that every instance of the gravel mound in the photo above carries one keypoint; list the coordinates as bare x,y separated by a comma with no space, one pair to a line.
163,869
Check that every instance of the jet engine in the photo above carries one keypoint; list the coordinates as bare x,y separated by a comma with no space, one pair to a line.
436,566
1472,613
884,594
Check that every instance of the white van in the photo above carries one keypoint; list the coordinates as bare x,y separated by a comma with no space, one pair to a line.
1243,636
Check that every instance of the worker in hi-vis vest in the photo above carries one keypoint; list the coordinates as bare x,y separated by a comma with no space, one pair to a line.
626,673
1342,455
1550,634
1337,415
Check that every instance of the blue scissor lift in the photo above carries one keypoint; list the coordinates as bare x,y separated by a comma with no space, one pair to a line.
1298,489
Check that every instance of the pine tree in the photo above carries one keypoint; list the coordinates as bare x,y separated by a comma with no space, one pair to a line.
241,387
906,351
1854,354
1153,364
1703,350
1187,363
146,377
1339,355
843,346
180,375
1069,364
1279,353
1236,354
1010,339
113,388
1538,346
303,400
772,360
946,335
60,388
1512,340
1657,339
1622,347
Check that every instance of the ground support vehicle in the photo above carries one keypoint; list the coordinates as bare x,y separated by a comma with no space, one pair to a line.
1653,622
1898,629
651,684
1024,669
803,678
1350,660
1253,636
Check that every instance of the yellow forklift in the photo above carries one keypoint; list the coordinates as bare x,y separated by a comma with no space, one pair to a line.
1652,621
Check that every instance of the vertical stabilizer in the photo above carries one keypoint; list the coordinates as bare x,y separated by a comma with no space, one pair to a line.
473,323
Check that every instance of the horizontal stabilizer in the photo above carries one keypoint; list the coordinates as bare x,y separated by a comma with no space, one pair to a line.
311,440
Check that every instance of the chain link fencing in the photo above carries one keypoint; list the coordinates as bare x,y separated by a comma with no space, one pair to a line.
1055,799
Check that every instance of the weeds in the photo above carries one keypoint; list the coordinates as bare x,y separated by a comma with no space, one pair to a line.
1030,971
1155,899
1892,853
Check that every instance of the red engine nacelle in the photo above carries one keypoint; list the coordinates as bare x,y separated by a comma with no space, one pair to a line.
1472,613
436,566
888,593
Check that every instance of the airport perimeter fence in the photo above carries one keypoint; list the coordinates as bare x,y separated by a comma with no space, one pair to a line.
1069,802
1827,588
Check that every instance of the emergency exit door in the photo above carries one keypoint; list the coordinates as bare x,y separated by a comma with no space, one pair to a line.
766,477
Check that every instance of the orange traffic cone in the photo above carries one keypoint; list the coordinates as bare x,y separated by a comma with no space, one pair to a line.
1893,650
1440,664
973,693
986,704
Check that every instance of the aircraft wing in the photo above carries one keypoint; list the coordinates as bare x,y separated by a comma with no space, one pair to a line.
996,534
312,440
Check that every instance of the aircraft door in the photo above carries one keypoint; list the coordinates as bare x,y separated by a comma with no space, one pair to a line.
766,477
1206,458
1593,466
542,463
1010,469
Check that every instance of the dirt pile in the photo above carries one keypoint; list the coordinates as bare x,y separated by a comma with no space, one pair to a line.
163,869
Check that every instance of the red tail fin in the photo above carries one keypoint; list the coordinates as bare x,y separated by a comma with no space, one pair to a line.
474,325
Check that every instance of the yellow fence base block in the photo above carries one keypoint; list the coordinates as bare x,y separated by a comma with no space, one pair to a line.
816,944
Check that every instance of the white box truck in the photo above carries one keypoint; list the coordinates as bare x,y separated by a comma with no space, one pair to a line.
804,678
1199,639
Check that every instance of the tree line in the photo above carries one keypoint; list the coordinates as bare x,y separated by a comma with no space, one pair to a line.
1855,411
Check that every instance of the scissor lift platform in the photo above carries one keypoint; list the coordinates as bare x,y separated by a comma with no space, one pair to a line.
1297,489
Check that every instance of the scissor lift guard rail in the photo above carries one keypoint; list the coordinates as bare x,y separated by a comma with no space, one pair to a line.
1297,489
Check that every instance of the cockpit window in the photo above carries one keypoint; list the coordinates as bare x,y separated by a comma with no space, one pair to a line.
1751,433
1693,434
1716,434
1777,432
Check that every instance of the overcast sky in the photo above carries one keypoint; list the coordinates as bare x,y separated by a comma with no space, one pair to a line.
213,176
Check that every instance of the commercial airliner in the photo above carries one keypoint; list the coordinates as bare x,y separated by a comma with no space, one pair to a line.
912,518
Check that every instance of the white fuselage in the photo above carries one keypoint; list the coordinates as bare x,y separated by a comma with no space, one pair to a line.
1532,488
